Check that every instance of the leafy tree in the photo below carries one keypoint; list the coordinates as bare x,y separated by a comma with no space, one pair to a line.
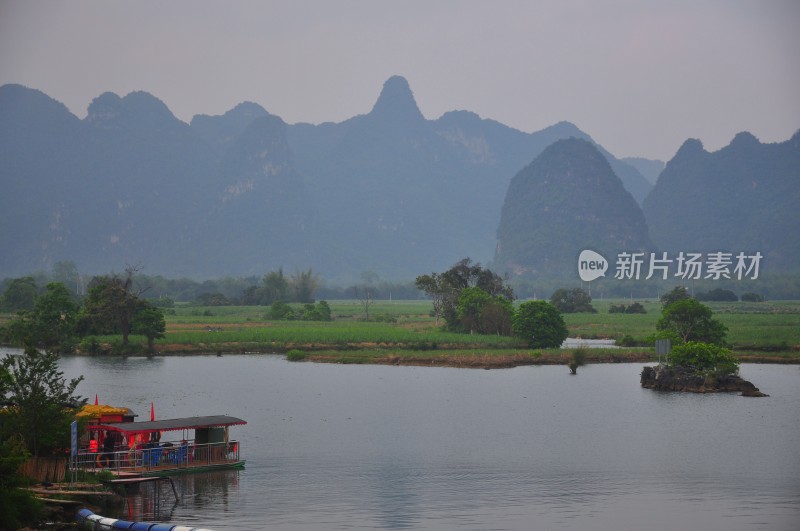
274,287
678,293
304,284
52,324
691,320
110,306
445,288
434,286
540,323
43,401
704,358
573,300
20,294
323,310
480,312
471,302
497,316
149,322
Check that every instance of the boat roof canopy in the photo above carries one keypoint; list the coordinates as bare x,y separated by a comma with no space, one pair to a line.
187,423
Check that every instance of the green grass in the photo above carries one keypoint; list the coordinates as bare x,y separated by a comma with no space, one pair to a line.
768,331
330,333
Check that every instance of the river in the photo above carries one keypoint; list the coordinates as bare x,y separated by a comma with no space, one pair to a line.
368,447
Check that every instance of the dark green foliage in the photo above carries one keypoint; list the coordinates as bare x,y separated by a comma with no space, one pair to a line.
635,307
150,323
51,324
20,294
280,311
540,324
752,297
718,294
573,300
481,313
44,402
577,359
678,293
690,320
18,507
111,307
626,341
445,290
704,358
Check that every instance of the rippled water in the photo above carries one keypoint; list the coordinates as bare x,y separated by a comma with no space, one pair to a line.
347,447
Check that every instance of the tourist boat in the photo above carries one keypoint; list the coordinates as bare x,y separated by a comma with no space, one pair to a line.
161,447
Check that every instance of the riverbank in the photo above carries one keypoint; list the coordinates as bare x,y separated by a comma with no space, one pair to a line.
441,355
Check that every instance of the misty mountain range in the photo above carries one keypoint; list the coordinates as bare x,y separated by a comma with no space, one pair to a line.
389,191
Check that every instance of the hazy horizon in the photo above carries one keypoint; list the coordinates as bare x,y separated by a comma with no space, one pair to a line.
640,77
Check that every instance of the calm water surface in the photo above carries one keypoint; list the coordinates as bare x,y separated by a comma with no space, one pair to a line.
365,447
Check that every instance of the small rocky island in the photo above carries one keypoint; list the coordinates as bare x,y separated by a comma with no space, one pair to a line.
667,378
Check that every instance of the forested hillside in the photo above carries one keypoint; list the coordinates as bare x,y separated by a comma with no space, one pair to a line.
742,198
389,191
567,200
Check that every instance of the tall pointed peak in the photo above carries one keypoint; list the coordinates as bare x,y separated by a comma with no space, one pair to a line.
396,101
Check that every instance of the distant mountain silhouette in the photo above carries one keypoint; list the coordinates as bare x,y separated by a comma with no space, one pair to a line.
742,198
567,200
242,193
650,169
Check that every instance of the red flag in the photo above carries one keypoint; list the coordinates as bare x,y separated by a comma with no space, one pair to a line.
95,399
152,412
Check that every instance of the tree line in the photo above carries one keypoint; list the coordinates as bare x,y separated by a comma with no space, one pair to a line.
55,319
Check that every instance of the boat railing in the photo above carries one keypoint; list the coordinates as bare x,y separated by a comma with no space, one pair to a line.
161,456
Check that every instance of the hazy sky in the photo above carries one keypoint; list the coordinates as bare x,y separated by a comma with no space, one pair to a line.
639,76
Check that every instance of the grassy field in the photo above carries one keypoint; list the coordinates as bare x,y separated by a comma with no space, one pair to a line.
403,332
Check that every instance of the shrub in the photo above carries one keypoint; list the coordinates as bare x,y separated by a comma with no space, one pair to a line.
573,300
626,341
636,307
578,358
752,297
280,311
540,324
704,358
295,355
